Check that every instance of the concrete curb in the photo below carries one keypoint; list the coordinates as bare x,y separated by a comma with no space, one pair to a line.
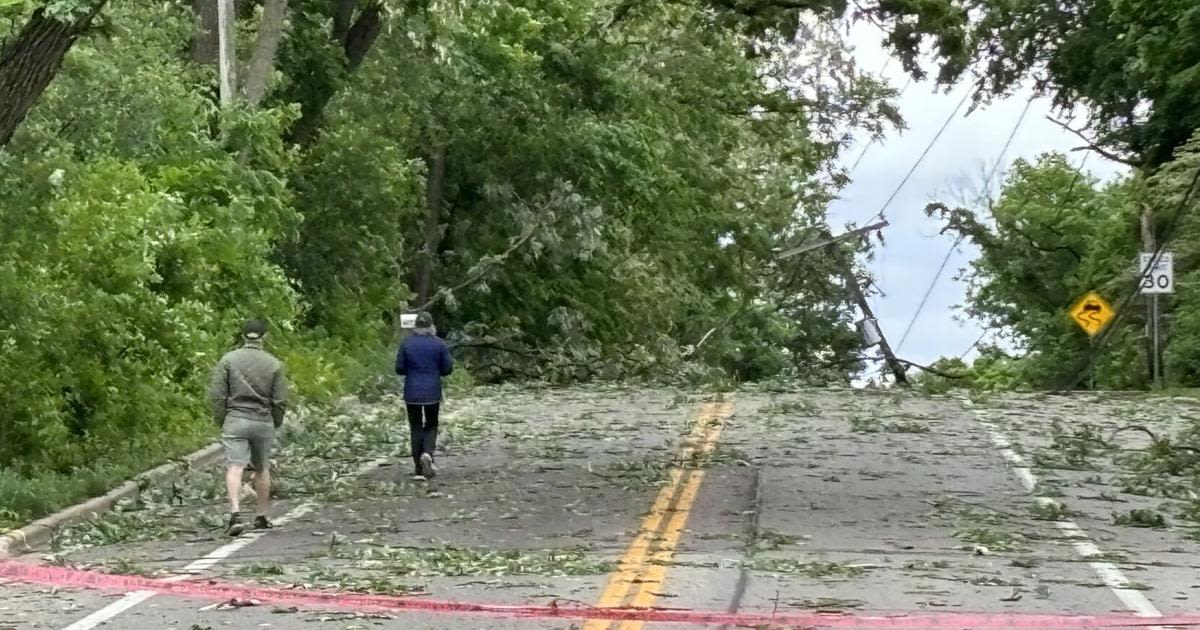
41,532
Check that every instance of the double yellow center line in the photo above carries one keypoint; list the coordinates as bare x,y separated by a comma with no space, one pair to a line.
640,572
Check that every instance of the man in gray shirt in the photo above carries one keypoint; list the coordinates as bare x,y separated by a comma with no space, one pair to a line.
249,392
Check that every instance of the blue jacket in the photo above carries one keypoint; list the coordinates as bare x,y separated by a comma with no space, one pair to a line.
423,360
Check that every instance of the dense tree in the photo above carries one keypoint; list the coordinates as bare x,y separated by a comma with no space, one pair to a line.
1131,64
330,39
133,238
1052,235
573,189
576,189
1055,234
1174,193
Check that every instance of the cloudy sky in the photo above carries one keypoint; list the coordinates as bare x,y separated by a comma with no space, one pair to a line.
958,162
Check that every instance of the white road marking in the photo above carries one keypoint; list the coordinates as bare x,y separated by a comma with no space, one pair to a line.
223,552
1134,600
1022,471
112,610
131,600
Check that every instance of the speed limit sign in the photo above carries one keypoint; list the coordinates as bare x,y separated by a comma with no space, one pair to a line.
1158,276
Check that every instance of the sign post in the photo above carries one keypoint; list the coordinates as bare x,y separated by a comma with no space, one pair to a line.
1157,275
1157,337
1093,314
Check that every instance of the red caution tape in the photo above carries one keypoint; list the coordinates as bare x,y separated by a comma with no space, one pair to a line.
210,590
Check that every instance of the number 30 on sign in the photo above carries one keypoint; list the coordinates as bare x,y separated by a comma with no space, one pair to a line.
1158,276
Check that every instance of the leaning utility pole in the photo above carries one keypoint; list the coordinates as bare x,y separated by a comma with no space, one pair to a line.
847,272
227,50
884,347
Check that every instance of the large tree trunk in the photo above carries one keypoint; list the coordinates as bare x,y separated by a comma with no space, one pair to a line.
262,60
29,61
362,35
434,184
343,18
206,42
356,37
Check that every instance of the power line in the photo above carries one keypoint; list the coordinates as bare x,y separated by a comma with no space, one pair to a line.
886,62
925,153
875,141
928,292
1007,145
968,350
921,158
987,185
917,164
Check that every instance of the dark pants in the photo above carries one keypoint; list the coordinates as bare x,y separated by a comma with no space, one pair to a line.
423,426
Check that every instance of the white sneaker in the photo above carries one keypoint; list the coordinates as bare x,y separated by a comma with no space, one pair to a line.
428,469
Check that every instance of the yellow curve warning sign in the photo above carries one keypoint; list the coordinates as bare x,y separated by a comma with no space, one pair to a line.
1092,313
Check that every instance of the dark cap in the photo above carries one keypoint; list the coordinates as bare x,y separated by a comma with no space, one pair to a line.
254,329
424,320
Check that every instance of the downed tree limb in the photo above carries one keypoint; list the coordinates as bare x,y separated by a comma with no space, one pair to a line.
690,352
923,368
696,348
481,270
486,345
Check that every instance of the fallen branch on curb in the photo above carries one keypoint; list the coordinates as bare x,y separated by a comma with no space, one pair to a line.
43,531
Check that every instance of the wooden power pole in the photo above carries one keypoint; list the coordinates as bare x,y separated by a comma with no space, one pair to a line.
884,347
847,271
1153,347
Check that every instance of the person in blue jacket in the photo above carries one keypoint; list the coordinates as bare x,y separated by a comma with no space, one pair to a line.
423,359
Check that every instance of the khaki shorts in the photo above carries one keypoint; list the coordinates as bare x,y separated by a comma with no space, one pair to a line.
248,441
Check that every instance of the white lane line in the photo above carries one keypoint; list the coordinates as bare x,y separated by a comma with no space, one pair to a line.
112,610
1133,599
207,562
1022,471
131,600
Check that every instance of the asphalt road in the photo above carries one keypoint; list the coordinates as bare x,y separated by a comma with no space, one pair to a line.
723,510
